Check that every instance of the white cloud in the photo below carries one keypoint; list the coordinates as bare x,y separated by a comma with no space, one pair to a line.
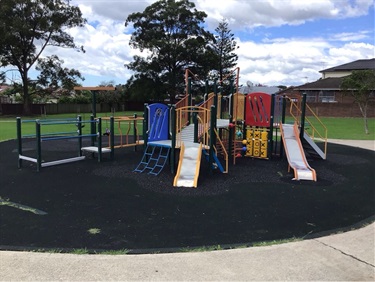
287,60
243,14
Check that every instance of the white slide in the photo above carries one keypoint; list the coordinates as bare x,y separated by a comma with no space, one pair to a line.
295,153
188,165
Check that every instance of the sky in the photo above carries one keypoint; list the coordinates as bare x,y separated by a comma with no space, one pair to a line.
281,42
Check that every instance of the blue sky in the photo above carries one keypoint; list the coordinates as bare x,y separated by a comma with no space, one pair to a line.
281,42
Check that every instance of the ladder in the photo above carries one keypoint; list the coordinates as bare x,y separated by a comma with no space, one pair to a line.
153,160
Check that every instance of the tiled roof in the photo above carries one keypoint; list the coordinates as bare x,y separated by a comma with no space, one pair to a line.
331,83
356,65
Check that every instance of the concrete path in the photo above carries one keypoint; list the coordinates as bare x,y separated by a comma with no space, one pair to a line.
346,256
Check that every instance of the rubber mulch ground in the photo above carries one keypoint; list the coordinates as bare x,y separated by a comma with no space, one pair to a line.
106,206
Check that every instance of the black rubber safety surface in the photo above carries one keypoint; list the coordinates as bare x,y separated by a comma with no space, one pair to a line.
107,206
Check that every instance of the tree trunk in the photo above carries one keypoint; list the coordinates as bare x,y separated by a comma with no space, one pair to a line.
26,96
363,109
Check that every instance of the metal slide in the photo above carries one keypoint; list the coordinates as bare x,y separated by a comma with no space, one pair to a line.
188,165
295,154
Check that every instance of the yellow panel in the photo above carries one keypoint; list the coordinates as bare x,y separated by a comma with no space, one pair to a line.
263,153
257,144
249,134
257,134
264,144
256,152
264,135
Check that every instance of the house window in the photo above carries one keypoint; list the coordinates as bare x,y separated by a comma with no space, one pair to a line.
311,96
327,96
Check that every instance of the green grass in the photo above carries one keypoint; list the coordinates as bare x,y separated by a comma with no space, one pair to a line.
276,242
337,128
202,249
9,128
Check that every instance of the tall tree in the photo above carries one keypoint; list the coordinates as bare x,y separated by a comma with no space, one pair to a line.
361,86
224,46
172,32
27,27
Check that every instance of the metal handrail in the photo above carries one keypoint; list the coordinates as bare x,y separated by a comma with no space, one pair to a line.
323,136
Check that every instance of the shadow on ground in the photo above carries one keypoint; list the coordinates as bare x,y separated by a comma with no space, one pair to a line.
106,206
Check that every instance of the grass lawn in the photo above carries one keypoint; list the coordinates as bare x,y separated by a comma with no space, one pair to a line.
337,128
9,129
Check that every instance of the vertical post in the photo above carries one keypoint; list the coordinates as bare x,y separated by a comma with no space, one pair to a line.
173,137
215,93
135,131
92,129
270,134
79,126
212,136
19,141
190,101
231,90
195,121
38,146
145,125
99,139
303,113
93,98
112,136
283,122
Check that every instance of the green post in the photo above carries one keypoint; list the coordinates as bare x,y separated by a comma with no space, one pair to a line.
112,136
135,131
93,97
215,94
270,134
99,140
173,138
92,129
303,113
79,131
145,125
195,121
19,140
282,122
212,136
38,146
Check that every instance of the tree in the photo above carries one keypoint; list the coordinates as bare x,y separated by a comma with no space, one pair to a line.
26,23
111,98
54,76
172,32
223,46
361,86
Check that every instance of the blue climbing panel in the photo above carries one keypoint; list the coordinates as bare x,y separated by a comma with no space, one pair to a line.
153,160
158,122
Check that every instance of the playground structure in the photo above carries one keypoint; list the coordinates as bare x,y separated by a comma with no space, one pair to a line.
77,124
260,130
221,129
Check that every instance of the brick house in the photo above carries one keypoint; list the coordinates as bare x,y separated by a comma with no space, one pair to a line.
326,96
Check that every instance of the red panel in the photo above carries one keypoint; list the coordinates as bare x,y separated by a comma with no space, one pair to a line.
258,109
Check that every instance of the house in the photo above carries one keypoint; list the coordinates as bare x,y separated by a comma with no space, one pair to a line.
327,88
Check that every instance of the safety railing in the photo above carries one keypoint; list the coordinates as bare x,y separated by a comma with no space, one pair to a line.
314,127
